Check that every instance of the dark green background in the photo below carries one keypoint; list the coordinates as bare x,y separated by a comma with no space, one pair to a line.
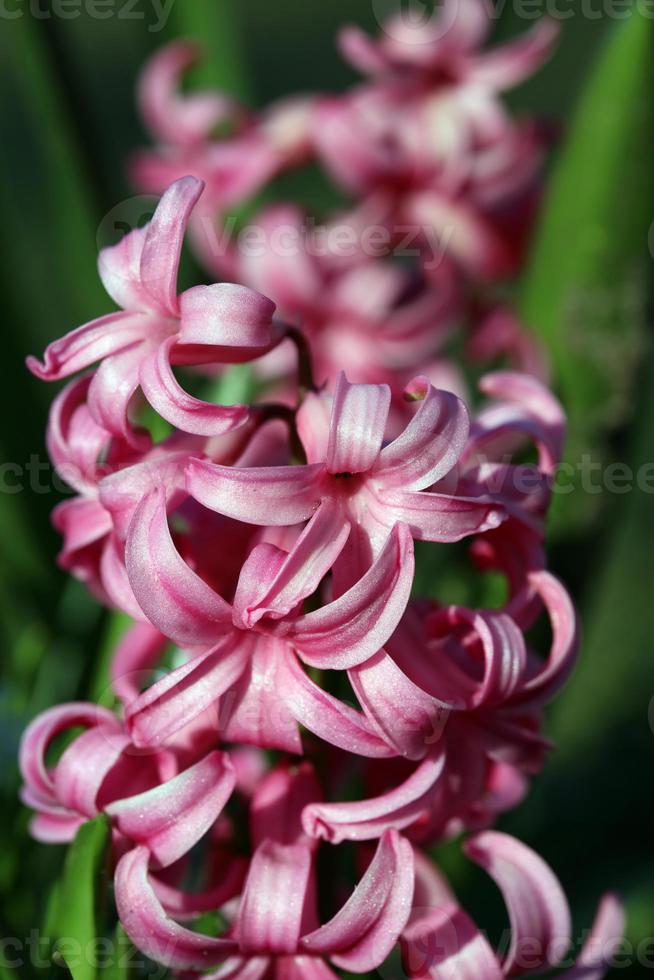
68,125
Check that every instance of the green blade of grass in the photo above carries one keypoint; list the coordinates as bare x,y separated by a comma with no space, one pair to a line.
76,915
585,290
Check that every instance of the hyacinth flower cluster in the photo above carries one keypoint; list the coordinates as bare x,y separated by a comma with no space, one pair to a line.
293,726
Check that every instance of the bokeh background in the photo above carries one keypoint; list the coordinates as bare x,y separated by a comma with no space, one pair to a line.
69,123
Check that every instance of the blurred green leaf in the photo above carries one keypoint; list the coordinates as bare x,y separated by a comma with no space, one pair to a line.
614,678
120,965
75,917
585,291
49,226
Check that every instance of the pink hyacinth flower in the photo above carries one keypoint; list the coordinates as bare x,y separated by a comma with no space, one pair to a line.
276,932
445,48
149,799
244,654
157,328
353,488
441,942
463,694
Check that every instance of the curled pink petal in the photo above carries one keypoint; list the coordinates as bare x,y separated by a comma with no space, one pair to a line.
269,495
438,516
359,416
538,909
74,440
45,727
273,903
565,643
298,574
172,596
151,930
367,819
170,116
365,930
84,765
184,693
162,244
84,346
253,712
176,406
512,63
112,389
431,444
408,718
443,943
594,961
170,818
356,625
226,315
327,717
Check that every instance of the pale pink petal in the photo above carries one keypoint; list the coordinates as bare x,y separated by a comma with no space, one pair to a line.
242,968
362,934
226,315
599,949
327,717
82,768
151,930
255,711
175,600
183,694
438,516
356,625
565,640
536,399
82,521
90,343
408,719
119,268
361,51
74,440
172,403
516,61
431,444
463,24
359,415
312,421
266,591
162,245
115,582
169,115
302,968
122,492
266,495
367,819
443,943
538,909
273,903
170,818
51,828
502,648
44,728
112,388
